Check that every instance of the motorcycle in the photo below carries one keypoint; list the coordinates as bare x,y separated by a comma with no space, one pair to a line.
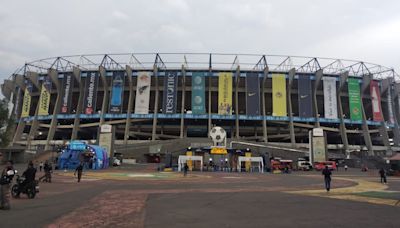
30,189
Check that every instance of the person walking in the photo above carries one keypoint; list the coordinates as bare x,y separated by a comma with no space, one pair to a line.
47,172
345,167
382,173
327,177
5,180
185,169
41,166
79,170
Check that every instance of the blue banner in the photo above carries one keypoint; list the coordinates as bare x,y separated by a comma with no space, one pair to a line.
117,92
198,93
252,94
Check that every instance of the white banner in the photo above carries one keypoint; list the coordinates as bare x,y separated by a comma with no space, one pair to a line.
330,99
143,93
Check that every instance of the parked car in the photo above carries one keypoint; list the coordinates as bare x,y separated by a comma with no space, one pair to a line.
321,165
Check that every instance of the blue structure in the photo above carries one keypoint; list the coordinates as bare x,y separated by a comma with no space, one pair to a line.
93,156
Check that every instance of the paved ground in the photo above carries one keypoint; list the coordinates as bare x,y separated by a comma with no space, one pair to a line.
131,198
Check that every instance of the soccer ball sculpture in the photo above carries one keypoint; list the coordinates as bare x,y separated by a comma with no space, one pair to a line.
218,135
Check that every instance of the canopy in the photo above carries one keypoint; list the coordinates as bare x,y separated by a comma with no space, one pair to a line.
184,158
251,159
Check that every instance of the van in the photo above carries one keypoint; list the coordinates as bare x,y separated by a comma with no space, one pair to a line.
304,165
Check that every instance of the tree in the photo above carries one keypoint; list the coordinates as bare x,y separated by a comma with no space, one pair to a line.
6,124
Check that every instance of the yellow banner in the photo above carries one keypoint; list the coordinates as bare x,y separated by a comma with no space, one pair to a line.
44,101
279,95
218,150
26,104
225,93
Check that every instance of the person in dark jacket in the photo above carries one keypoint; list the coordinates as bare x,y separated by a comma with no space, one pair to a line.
327,177
5,180
185,169
79,170
382,173
47,172
29,174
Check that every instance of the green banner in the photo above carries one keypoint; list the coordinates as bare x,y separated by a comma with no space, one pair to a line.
198,93
354,99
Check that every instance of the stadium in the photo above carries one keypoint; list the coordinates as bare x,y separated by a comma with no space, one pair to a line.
158,102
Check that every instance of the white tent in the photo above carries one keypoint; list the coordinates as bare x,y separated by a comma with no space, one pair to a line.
251,159
183,159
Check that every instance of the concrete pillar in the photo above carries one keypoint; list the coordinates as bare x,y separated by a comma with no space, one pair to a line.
75,129
154,130
19,81
53,124
106,89
365,128
264,111
183,71
130,103
291,75
209,100
343,133
237,79
34,78
318,78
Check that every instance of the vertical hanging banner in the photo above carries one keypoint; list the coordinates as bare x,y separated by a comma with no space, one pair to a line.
225,93
117,92
376,101
26,103
305,96
354,99
279,95
142,93
67,87
390,104
252,94
90,98
170,92
330,98
198,93
44,100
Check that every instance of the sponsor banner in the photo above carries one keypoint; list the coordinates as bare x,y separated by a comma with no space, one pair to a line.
117,92
319,153
67,88
376,101
44,100
390,104
252,94
305,96
170,92
143,93
26,103
225,93
354,99
91,83
330,98
198,93
279,95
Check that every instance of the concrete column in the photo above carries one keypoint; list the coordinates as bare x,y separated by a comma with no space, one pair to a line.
237,78
104,107
154,130
343,132
383,130
130,103
264,111
53,124
75,129
19,81
396,110
183,71
209,100
34,78
365,128
318,78
291,75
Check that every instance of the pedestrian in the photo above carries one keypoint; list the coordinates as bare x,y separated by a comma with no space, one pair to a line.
47,172
345,167
5,180
185,169
337,166
79,170
327,177
30,175
41,166
382,173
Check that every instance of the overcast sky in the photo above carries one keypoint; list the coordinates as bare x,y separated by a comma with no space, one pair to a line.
363,30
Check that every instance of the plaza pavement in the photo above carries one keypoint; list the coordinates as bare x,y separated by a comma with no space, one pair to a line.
134,198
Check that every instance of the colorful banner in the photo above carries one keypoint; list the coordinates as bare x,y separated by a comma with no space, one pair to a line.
117,92
354,99
279,95
198,93
390,104
92,80
67,87
330,98
26,103
225,93
252,94
305,96
376,101
44,100
170,92
143,93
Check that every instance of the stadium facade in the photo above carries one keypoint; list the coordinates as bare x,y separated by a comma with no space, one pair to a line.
260,98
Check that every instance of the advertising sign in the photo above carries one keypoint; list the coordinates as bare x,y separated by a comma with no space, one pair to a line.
170,92
91,84
26,103
142,100
279,95
252,94
330,98
44,100
354,99
305,96
376,101
67,87
318,144
198,93
117,92
225,93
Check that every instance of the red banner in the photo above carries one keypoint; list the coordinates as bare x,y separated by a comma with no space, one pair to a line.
376,101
